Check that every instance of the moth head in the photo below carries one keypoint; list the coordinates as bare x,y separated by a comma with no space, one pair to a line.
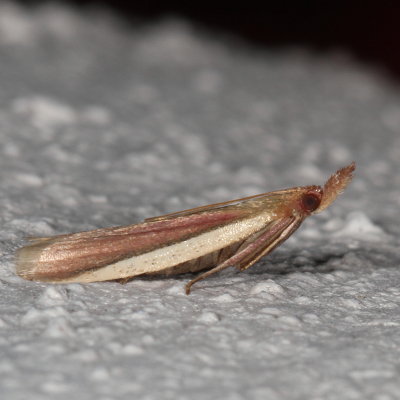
313,199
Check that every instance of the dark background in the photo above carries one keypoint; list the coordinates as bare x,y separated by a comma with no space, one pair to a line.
370,30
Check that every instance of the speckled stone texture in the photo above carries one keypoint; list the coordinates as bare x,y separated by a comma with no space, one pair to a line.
105,124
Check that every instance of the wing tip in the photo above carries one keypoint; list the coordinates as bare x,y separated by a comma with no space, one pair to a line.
24,263
27,258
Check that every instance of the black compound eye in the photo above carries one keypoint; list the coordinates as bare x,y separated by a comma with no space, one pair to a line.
310,201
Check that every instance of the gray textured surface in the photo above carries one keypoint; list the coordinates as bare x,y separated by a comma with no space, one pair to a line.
102,125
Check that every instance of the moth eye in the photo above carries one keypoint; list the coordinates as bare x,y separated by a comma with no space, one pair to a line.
310,201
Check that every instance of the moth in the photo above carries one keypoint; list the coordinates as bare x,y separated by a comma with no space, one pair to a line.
209,238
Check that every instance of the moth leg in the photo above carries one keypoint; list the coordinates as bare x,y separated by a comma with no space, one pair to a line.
246,257
228,263
269,246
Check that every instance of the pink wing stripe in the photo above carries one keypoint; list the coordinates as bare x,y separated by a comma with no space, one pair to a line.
63,256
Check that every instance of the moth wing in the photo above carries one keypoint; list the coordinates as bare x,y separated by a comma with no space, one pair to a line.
219,206
58,257
66,256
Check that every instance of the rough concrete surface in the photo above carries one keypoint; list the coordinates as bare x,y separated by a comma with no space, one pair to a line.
104,123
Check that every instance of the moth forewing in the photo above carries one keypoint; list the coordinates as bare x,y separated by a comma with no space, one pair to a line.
214,237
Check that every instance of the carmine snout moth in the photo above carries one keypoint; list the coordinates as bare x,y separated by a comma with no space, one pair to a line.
209,238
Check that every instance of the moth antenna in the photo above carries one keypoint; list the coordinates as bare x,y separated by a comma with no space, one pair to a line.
335,185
